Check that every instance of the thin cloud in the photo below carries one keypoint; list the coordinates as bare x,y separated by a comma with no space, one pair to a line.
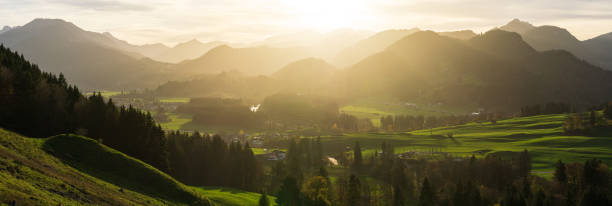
104,5
171,21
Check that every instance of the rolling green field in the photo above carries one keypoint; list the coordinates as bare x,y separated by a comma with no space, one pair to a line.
229,196
374,109
540,135
174,100
105,93
75,170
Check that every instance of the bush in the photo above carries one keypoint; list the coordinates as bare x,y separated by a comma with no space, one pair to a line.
608,111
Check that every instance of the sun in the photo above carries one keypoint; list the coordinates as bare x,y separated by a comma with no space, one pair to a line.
326,15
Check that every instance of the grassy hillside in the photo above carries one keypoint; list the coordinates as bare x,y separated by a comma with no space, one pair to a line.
74,170
541,135
102,162
229,196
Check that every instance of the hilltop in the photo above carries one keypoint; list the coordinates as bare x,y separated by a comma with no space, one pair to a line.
253,61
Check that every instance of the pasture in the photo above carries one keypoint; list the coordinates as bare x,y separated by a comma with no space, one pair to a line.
542,136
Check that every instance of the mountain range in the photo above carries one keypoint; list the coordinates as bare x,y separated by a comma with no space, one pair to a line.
360,63
497,70
250,60
89,59
381,40
185,51
597,51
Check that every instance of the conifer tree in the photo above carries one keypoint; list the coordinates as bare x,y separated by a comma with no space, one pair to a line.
354,191
428,196
289,194
560,175
263,200
357,157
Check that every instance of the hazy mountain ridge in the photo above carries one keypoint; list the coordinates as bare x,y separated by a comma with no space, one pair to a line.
186,51
252,60
89,59
381,40
496,70
309,75
5,29
597,51
321,45
371,45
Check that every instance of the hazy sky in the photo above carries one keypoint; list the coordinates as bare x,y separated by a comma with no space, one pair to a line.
171,21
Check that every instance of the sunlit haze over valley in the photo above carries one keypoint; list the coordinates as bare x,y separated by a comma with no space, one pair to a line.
306,103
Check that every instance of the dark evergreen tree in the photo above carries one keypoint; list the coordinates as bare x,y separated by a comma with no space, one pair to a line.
524,163
401,189
512,197
263,200
428,195
357,157
608,111
354,191
560,174
289,194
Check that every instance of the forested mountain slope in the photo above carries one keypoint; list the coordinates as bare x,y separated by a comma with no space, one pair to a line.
597,51
497,70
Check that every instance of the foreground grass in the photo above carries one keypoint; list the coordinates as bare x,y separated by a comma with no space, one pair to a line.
233,197
30,176
75,170
540,135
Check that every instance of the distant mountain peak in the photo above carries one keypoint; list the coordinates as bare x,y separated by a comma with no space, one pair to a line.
555,32
607,36
48,22
5,28
194,41
190,43
517,26
108,34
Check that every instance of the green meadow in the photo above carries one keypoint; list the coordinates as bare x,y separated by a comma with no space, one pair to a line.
374,109
174,100
542,136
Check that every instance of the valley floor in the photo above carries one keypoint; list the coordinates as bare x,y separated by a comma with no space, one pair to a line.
542,136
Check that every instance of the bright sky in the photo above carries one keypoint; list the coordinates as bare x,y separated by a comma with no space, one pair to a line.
172,21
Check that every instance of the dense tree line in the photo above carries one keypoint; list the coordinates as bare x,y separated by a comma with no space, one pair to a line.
347,122
296,110
217,111
39,104
208,160
607,111
548,108
584,123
